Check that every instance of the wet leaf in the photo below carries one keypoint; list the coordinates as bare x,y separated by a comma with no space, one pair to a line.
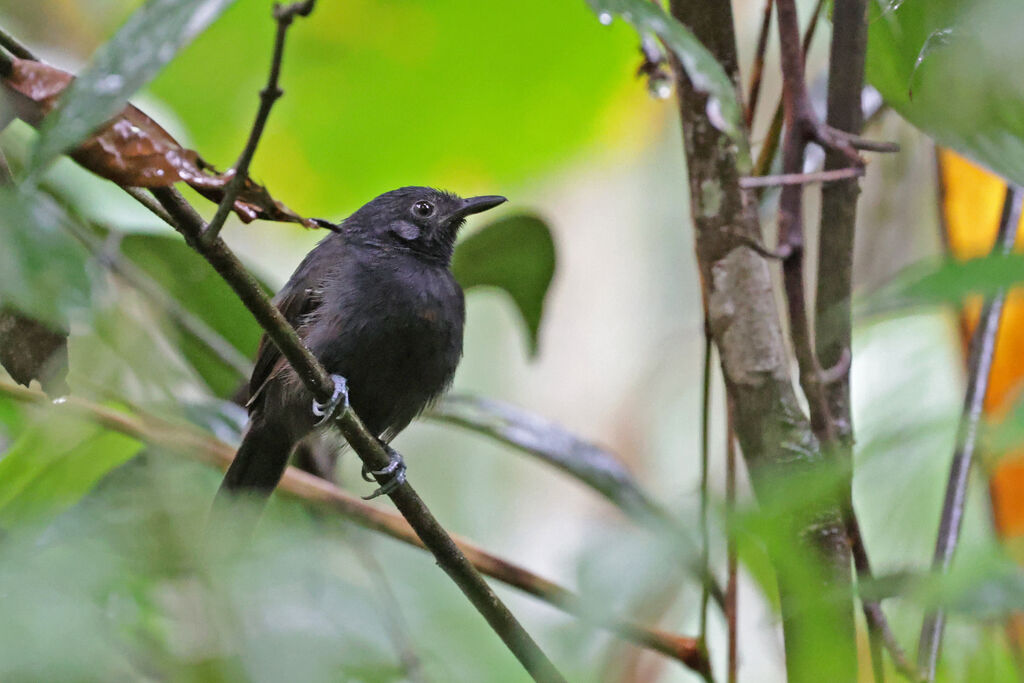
703,70
150,38
951,69
515,254
133,150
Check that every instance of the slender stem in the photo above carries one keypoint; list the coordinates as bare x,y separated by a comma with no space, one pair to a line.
270,94
732,584
189,442
705,534
828,176
757,68
978,369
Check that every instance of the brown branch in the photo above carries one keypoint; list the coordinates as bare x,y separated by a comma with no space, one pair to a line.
283,15
732,583
979,367
191,443
829,176
833,324
757,68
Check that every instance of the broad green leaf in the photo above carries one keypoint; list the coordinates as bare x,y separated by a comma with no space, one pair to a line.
55,462
188,280
474,97
515,254
703,70
150,38
951,68
42,270
947,281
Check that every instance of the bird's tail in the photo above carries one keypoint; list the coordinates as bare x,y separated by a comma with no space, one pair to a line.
249,481
260,460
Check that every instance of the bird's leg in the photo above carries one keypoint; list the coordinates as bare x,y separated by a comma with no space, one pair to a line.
338,399
395,467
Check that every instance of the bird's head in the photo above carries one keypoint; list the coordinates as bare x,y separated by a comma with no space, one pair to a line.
420,219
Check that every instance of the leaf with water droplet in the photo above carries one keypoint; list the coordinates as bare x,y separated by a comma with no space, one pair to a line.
128,61
703,70
936,40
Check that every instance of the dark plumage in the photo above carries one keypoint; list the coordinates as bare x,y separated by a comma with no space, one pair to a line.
377,304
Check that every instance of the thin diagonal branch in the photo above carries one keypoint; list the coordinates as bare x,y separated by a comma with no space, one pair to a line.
978,369
757,68
191,443
284,15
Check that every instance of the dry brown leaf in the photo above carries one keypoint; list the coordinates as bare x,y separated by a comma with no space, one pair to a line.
133,150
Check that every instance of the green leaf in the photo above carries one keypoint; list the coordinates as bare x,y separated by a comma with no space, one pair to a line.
150,38
515,254
188,280
951,68
42,270
947,281
703,70
55,462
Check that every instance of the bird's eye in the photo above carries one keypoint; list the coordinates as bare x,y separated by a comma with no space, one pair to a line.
423,209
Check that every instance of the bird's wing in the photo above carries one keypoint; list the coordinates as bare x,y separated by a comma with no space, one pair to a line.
300,296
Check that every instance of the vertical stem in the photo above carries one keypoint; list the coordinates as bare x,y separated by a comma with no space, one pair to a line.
731,586
705,539
978,369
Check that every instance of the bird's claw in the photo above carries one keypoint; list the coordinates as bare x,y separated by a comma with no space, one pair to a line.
338,398
395,467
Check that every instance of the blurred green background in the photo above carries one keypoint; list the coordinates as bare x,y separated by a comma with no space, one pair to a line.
535,100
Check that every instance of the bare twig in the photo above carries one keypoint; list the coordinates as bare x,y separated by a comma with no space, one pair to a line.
283,15
829,176
978,369
196,445
770,145
732,584
705,440
757,68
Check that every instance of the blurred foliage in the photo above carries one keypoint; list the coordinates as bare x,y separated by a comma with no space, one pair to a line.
385,94
950,68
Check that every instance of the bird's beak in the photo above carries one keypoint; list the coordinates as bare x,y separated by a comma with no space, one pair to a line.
478,204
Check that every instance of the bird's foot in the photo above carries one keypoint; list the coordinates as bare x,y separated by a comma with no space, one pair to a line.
395,467
338,399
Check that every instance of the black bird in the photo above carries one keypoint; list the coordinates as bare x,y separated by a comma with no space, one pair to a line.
377,304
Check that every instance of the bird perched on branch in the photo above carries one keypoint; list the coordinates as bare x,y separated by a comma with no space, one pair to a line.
377,304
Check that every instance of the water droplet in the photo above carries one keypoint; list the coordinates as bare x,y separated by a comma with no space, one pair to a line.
605,18
109,83
659,86
60,400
